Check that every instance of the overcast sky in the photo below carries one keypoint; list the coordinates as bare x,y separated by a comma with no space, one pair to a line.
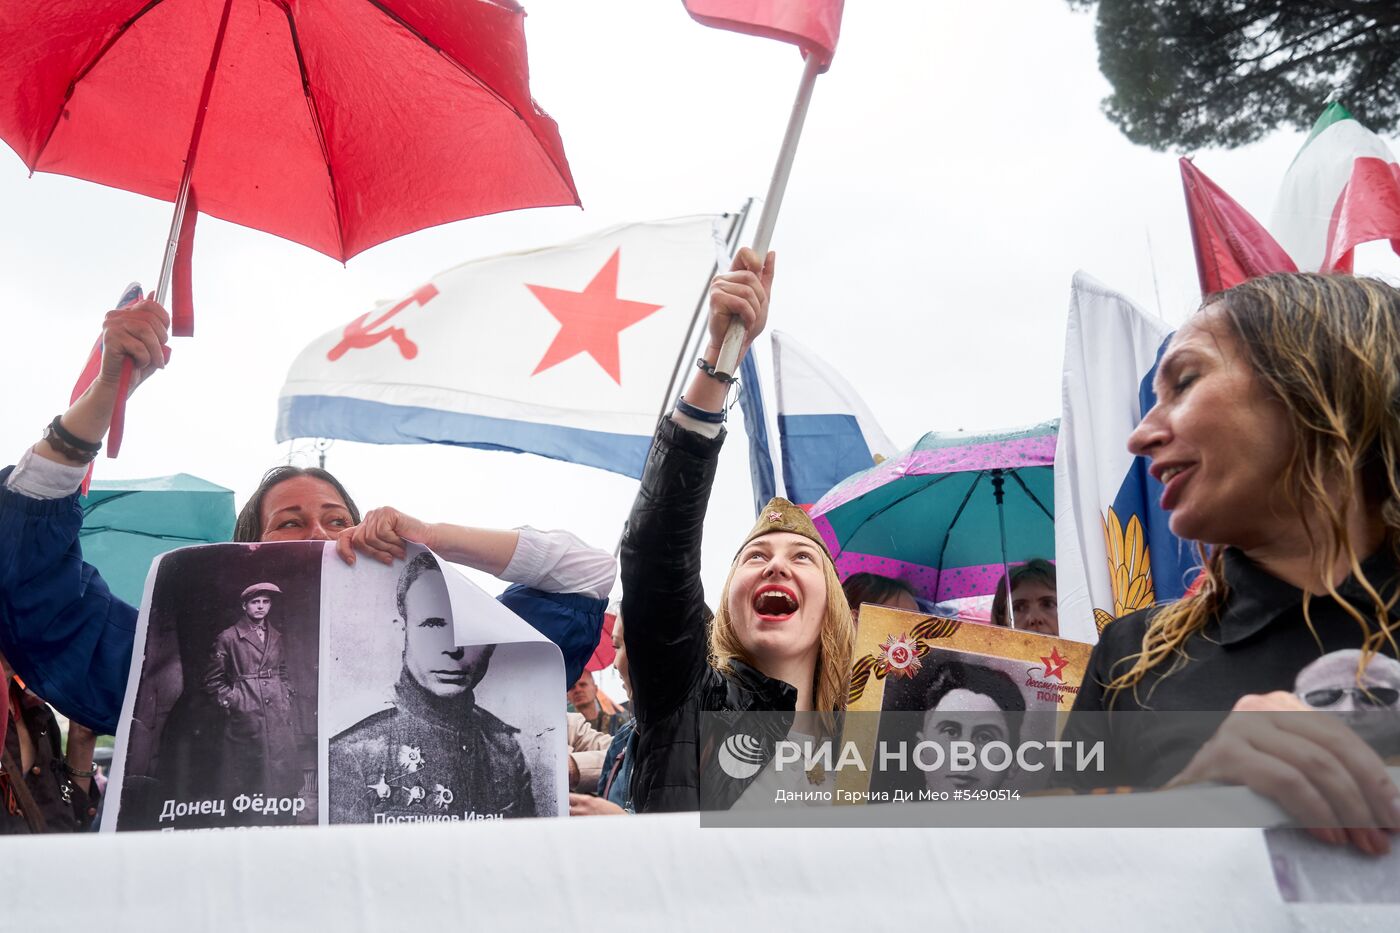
955,171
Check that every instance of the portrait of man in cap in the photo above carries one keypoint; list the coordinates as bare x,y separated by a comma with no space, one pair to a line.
436,754
246,678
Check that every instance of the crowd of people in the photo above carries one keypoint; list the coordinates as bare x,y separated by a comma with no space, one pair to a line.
1276,433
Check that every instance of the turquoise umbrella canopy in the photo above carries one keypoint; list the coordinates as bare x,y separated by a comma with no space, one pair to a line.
932,515
128,523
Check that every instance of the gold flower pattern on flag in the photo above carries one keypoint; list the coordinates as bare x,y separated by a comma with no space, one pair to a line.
1129,568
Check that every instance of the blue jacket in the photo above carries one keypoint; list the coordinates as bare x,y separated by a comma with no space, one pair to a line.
617,787
70,639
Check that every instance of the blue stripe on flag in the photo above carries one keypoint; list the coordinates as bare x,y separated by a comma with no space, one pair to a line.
820,451
377,423
1173,560
765,484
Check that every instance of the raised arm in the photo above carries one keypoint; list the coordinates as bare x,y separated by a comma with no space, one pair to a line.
61,628
662,597
550,561
561,584
138,334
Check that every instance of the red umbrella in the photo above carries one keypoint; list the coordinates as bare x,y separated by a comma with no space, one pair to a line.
337,124
604,654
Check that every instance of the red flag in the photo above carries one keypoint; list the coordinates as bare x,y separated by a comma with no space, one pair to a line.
811,25
1231,246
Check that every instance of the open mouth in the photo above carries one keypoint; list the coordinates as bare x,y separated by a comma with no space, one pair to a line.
775,602
1173,479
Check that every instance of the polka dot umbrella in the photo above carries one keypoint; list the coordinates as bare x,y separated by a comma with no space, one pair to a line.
949,514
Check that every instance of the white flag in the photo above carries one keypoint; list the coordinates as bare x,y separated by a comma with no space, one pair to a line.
564,352
1113,550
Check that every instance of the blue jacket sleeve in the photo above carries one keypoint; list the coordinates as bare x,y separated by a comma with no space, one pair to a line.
572,621
61,628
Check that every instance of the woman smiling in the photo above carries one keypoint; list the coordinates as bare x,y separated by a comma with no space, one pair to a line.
1276,434
781,637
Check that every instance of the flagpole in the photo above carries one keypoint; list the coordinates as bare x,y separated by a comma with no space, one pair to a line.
728,361
736,228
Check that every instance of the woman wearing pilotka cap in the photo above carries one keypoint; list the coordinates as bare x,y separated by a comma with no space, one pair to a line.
781,636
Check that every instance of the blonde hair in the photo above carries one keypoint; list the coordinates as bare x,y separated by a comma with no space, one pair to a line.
1328,348
835,641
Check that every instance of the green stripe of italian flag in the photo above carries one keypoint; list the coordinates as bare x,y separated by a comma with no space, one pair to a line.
1342,189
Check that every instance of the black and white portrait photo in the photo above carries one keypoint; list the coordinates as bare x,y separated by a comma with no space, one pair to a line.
421,728
224,724
961,696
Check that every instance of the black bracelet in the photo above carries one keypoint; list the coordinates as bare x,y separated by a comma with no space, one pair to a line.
699,414
709,370
71,439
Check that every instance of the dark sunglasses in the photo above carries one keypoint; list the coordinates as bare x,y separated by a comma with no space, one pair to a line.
1366,697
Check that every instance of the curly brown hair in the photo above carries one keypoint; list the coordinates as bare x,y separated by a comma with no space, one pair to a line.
1328,348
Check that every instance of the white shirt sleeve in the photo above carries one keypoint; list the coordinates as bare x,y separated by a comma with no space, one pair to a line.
41,478
558,562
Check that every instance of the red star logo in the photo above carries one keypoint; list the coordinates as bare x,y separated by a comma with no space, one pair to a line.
1055,665
590,320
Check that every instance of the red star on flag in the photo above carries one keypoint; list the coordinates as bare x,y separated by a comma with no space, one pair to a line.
1055,665
590,320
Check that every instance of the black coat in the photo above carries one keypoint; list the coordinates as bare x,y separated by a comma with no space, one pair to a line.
667,636
248,679
63,806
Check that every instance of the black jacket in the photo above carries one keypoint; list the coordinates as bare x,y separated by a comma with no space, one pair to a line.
667,636
63,807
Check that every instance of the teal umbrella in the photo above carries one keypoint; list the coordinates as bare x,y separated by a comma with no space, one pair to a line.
948,515
127,523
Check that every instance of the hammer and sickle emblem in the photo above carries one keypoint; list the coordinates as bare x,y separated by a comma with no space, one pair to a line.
361,332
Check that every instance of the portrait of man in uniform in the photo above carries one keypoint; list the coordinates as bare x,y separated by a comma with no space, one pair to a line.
435,754
246,678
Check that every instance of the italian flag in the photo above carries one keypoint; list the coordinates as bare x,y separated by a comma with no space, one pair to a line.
1343,189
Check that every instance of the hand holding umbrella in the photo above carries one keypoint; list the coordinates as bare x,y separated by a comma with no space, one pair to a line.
362,114
133,347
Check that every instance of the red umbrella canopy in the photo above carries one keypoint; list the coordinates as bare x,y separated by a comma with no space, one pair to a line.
337,124
604,654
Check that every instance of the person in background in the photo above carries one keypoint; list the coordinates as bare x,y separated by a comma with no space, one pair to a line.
42,788
71,639
583,699
587,750
614,793
861,588
1034,606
